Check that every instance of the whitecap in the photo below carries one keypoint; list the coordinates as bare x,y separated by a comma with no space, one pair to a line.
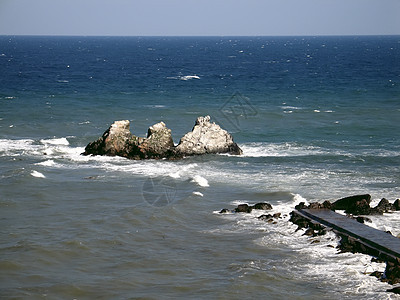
201,181
317,110
291,107
188,77
37,174
198,194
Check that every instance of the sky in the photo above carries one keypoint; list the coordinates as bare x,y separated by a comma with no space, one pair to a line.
199,17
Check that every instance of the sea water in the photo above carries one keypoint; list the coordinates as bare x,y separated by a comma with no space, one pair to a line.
316,117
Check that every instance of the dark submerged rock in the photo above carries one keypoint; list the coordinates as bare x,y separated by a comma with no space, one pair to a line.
247,208
396,204
395,290
243,208
376,274
301,222
265,217
392,272
383,206
263,206
301,205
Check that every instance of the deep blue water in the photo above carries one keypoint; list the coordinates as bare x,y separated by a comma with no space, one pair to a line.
317,118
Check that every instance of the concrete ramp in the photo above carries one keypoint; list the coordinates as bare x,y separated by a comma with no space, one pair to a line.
381,241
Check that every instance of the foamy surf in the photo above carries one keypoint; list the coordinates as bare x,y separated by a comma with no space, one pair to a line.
47,163
37,174
279,150
56,141
201,181
316,257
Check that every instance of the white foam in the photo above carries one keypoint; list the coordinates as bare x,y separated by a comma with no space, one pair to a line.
47,163
201,181
37,174
56,141
278,150
15,147
198,194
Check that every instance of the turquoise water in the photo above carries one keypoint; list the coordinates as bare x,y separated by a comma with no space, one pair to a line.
316,118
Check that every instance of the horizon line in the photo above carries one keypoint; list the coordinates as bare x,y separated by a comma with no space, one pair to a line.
257,35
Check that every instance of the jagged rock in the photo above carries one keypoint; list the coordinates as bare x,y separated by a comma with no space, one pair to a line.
383,206
301,205
224,211
315,205
265,217
356,205
113,141
301,222
243,208
247,208
327,205
117,140
207,137
392,272
159,143
277,215
263,206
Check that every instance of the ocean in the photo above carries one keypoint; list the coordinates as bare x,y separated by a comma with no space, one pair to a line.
316,117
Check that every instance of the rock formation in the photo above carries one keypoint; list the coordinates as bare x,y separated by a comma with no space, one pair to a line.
206,137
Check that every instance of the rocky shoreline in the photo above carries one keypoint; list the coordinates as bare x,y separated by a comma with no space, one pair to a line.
205,138
356,207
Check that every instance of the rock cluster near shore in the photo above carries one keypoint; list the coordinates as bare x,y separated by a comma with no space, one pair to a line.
354,206
205,137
